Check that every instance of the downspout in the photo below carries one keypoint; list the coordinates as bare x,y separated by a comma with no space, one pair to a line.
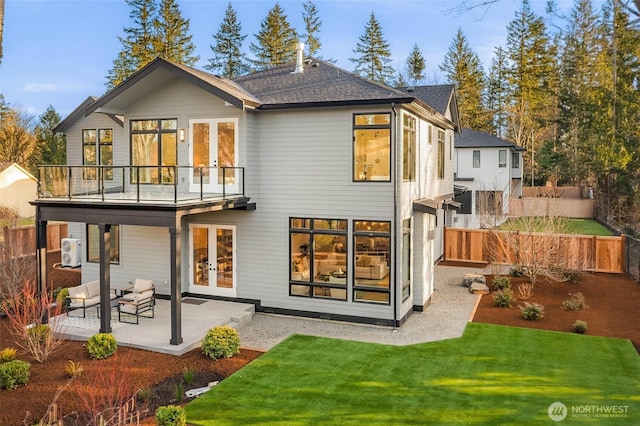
396,190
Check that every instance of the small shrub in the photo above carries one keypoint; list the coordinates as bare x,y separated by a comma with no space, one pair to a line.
178,392
8,354
580,327
171,415
101,345
221,342
532,311
188,375
525,290
503,298
61,297
572,275
145,394
14,373
575,303
517,271
39,334
501,283
73,369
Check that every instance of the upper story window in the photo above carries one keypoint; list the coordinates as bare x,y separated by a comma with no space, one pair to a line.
476,158
515,160
441,149
409,148
97,150
372,147
502,158
153,145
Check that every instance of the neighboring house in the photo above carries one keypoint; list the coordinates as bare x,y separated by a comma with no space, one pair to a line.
491,170
303,189
18,188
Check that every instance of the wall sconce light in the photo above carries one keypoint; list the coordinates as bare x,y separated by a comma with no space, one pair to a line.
181,135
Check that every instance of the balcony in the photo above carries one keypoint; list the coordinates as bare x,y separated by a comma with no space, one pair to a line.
166,185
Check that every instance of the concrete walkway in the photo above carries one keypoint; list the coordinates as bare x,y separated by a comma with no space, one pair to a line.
445,318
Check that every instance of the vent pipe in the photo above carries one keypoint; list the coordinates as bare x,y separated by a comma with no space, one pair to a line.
299,58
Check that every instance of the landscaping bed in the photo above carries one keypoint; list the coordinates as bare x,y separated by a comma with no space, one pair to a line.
613,300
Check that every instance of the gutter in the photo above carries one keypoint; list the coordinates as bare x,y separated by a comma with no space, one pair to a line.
395,216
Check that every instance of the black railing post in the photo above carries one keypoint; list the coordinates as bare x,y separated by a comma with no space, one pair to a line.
201,185
138,183
101,174
69,182
242,181
224,182
175,184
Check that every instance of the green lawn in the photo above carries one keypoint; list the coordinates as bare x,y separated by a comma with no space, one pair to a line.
574,226
492,375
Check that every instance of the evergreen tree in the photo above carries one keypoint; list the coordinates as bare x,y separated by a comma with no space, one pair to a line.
374,54
138,47
416,65
173,40
498,92
276,40
463,69
532,83
50,147
157,32
312,26
228,58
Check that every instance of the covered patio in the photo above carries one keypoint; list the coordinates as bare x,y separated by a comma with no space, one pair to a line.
153,334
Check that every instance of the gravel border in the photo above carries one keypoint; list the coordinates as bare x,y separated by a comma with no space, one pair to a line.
451,307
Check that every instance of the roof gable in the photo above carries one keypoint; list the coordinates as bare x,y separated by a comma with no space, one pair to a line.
441,97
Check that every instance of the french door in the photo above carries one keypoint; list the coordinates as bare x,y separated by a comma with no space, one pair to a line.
212,259
213,146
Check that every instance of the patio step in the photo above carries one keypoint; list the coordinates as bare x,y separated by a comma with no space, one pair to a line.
243,318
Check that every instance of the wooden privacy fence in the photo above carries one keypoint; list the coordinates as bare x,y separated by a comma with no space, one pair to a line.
580,252
22,239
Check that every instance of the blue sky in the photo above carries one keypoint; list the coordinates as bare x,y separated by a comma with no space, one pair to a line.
58,52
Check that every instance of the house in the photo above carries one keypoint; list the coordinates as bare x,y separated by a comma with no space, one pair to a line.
17,188
303,189
490,168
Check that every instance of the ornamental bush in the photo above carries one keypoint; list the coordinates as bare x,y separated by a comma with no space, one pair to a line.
503,298
8,354
221,342
501,282
171,415
575,303
532,311
14,373
102,345
580,327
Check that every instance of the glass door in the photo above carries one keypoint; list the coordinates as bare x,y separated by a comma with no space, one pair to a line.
213,154
212,260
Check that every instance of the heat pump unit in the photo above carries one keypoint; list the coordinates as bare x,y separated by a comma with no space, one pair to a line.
70,252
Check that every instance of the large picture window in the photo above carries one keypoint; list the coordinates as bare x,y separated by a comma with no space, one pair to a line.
154,147
318,256
97,150
409,148
93,244
372,255
441,149
372,147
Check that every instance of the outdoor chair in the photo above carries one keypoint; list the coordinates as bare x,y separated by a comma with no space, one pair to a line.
142,304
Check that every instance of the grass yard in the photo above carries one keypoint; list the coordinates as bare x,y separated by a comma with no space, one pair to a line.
492,375
574,226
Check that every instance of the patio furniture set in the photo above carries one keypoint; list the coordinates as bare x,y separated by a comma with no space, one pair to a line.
132,302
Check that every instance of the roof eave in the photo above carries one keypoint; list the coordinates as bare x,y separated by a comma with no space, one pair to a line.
321,104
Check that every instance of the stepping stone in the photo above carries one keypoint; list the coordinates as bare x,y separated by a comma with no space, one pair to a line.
478,288
469,279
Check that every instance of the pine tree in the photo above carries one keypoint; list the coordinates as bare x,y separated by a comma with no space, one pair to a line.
416,65
228,58
374,54
50,147
276,40
138,47
463,69
497,93
173,40
312,26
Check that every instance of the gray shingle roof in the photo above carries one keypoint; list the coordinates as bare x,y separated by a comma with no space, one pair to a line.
475,139
436,96
320,82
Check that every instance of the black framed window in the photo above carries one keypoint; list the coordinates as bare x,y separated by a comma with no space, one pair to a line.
93,244
154,148
97,150
372,260
515,160
441,149
318,258
372,147
408,148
